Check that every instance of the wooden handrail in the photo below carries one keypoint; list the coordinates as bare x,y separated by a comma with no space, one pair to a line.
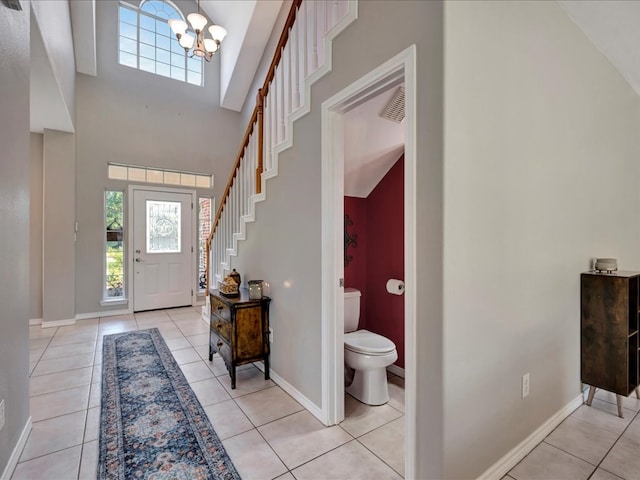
256,118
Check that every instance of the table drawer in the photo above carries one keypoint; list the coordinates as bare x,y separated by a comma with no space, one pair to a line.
221,326
220,309
221,347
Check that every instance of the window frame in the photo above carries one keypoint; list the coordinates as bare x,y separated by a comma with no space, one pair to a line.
189,61
201,248
121,299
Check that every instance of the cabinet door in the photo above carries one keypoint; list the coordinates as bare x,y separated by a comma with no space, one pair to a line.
249,335
604,325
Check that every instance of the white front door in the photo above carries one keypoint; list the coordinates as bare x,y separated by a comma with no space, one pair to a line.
162,249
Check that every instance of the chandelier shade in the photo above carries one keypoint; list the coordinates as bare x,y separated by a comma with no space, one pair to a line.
202,47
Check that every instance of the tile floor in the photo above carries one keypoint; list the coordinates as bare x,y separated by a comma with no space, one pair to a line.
592,443
266,432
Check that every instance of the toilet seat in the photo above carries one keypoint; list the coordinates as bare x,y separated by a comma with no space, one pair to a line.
369,343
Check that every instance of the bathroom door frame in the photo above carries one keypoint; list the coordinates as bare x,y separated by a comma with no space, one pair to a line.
399,69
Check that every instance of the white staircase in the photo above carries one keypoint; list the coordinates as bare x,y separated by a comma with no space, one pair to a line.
303,56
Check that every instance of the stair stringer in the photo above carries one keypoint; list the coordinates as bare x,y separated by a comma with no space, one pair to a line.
301,111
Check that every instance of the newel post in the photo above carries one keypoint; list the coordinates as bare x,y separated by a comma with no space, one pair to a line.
260,168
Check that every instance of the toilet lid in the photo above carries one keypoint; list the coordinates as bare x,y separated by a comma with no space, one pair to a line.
364,341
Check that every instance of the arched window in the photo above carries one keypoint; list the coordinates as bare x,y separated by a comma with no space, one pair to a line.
147,43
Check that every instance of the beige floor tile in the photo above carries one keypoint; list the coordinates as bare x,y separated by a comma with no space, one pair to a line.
32,366
196,371
248,380
300,437
189,330
57,351
217,365
351,461
546,462
603,415
582,439
36,331
252,457
186,355
59,403
151,322
86,327
227,419
89,461
396,391
111,319
177,343
39,343
360,418
199,339
631,402
169,331
54,434
286,476
268,405
203,351
54,365
600,474
96,375
151,314
633,431
92,427
387,442
82,336
95,395
624,459
118,327
35,354
209,391
59,465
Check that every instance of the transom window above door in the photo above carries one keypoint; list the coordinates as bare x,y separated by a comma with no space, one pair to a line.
147,43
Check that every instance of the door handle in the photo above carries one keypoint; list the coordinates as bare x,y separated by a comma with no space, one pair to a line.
138,259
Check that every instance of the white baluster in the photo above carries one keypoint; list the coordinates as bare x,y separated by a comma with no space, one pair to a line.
266,122
313,30
295,66
274,117
302,47
322,29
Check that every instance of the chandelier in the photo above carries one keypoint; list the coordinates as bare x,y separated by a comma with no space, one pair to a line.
202,47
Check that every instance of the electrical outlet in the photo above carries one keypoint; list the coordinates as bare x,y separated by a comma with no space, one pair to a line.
525,385
270,334
2,414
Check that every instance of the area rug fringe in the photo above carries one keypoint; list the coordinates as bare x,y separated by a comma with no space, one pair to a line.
152,425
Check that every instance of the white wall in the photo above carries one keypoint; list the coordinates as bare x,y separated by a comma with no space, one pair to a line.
14,216
59,212
541,173
284,244
133,117
35,226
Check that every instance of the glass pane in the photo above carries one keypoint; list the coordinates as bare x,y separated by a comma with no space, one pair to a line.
204,227
176,48
147,37
114,222
203,181
177,59
163,227
194,78
177,73
164,70
128,45
128,60
164,42
117,172
147,65
148,23
163,28
172,178
137,174
154,176
163,56
194,64
128,16
187,180
147,51
128,31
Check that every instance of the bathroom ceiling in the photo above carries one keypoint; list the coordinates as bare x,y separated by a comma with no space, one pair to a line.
371,145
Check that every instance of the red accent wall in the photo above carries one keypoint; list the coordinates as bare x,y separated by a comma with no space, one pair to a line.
379,256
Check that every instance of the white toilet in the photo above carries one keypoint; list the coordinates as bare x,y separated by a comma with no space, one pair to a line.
368,353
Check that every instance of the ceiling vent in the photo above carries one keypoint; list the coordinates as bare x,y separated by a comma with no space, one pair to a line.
394,110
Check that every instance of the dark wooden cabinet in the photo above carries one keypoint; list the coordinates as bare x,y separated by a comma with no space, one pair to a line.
610,307
239,330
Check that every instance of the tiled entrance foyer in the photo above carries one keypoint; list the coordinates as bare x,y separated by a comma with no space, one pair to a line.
266,432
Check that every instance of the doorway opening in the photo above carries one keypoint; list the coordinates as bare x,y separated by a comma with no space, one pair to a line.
392,74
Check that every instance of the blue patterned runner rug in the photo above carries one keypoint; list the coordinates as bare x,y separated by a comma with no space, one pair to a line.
152,426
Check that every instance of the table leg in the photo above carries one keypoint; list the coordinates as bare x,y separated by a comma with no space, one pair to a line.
619,402
592,392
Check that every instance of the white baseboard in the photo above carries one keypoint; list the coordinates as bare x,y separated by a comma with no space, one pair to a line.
35,321
396,370
511,459
294,392
17,451
106,313
58,323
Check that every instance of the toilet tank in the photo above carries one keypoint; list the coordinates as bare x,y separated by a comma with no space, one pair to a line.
351,309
